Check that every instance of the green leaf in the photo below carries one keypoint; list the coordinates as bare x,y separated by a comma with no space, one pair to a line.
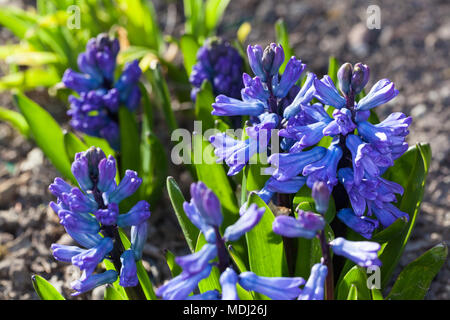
214,10
73,145
376,294
18,21
203,105
121,290
357,277
16,120
264,245
44,289
154,75
174,268
215,178
194,13
410,172
176,197
112,293
304,195
47,134
33,58
189,48
415,279
30,78
353,293
333,67
282,36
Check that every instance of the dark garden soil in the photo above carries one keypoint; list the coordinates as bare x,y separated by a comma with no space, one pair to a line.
411,48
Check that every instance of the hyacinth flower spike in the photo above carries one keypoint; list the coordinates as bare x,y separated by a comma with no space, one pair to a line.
91,217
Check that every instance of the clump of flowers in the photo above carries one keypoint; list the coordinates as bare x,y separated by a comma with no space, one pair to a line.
219,63
204,211
99,94
90,215
359,153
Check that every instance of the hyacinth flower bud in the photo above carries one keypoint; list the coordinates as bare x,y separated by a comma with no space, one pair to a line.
88,283
363,253
138,214
314,287
305,226
94,156
106,174
129,184
360,77
89,259
128,272
138,236
246,222
276,288
321,196
228,280
344,76
207,203
197,261
272,59
65,253
108,216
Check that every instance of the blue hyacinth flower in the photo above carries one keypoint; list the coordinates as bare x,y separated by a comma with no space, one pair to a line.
363,253
306,225
360,224
314,287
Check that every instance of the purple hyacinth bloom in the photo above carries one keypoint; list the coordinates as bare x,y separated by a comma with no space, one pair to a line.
307,134
138,237
86,283
366,160
182,285
272,59
79,202
89,259
108,216
255,55
360,77
59,186
94,111
221,64
342,123
107,174
314,287
249,218
303,97
208,295
324,169
363,253
387,213
128,272
389,135
228,280
65,253
289,165
207,204
360,224
383,91
254,89
197,261
291,74
273,186
276,288
306,225
344,76
78,223
226,106
80,170
129,184
139,213
320,192
327,93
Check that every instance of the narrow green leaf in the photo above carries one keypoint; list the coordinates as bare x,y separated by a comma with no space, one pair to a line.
174,268
264,245
189,48
176,197
410,172
44,289
415,279
353,293
203,105
333,67
16,120
46,132
214,10
73,145
390,232
376,294
357,277
112,293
